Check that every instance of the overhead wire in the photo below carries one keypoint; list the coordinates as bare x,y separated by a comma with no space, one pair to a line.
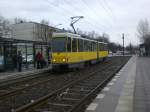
86,5
94,10
108,10
56,9
70,13
87,14
75,10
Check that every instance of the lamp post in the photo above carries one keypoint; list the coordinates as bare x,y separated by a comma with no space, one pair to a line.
123,42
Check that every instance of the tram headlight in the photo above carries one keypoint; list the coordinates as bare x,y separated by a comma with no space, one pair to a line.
63,59
54,60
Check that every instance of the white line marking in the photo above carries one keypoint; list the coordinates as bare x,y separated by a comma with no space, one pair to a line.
110,84
100,96
92,106
117,76
106,89
114,79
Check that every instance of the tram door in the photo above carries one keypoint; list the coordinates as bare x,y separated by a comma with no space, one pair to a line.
10,53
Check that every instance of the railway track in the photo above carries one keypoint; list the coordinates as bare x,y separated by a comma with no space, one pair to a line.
22,95
19,84
20,78
74,96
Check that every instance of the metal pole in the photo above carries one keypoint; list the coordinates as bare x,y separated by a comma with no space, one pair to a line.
123,42
103,37
74,20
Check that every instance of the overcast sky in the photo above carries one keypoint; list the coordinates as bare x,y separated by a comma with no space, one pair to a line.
110,16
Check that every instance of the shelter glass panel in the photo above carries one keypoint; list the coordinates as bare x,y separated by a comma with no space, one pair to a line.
1,55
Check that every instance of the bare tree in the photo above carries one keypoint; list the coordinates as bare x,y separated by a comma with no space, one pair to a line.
143,30
19,20
45,31
44,22
93,35
5,30
114,47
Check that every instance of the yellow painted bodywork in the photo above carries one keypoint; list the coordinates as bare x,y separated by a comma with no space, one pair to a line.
103,54
75,57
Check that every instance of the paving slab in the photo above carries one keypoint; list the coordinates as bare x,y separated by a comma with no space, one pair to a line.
142,86
120,91
10,75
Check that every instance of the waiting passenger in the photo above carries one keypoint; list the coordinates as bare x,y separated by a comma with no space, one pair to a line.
42,61
39,58
14,58
19,61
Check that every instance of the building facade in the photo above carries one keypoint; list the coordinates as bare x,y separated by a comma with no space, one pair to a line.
32,31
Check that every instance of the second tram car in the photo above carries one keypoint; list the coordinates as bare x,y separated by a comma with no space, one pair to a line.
71,50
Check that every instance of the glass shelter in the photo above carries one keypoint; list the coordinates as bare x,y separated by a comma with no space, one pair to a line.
10,47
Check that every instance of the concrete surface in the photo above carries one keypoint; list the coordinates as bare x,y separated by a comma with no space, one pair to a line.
13,74
142,86
118,95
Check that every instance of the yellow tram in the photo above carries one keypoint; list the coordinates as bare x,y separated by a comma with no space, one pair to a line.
71,50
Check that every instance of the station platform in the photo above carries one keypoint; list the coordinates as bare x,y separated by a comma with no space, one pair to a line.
128,91
13,74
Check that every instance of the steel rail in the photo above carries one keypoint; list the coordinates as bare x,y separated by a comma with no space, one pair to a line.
55,93
94,91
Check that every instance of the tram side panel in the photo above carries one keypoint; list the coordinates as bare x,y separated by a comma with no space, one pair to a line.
73,57
76,50
102,50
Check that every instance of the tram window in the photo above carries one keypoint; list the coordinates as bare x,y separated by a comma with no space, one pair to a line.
90,46
59,44
97,46
74,45
94,46
80,43
105,47
100,46
69,45
85,45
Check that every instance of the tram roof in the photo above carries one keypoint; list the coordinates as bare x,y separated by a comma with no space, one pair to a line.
67,34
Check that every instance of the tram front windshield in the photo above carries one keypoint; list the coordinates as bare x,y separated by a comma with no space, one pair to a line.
58,44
